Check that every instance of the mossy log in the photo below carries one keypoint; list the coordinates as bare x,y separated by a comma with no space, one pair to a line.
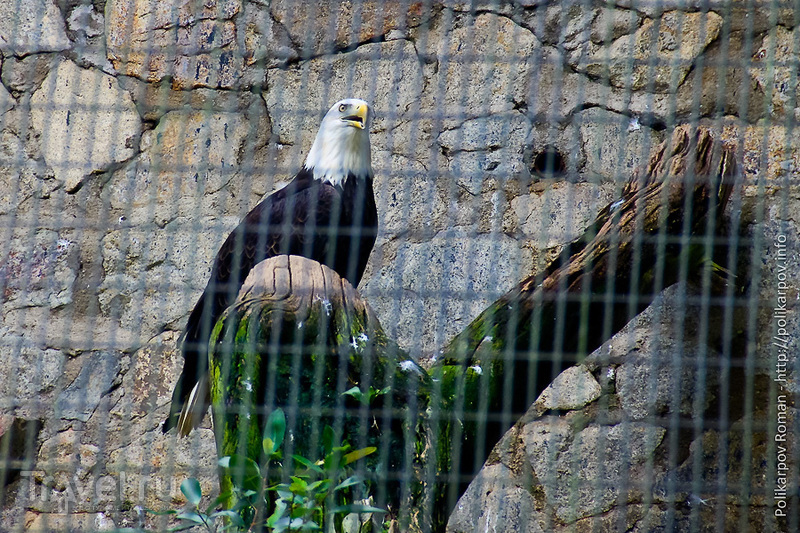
297,338
636,247
660,231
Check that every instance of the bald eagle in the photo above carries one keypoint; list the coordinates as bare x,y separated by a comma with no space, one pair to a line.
327,213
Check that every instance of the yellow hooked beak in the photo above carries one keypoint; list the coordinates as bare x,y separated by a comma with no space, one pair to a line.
357,117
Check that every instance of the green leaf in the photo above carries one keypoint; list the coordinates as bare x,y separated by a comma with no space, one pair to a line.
308,464
269,446
193,517
161,513
182,527
327,440
282,489
357,508
274,431
300,509
245,473
349,482
355,393
294,524
278,528
298,486
280,512
233,516
374,393
334,461
191,489
322,484
359,454
219,500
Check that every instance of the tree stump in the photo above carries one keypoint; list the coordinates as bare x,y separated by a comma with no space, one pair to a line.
297,338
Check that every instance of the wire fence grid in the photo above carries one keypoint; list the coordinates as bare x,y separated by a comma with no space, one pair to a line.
135,135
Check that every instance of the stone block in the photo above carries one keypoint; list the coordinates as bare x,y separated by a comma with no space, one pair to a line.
86,123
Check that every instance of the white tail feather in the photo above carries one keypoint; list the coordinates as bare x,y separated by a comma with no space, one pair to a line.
195,408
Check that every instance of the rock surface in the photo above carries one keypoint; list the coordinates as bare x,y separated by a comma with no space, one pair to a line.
344,25
31,27
191,43
388,74
657,57
86,123
591,465
572,389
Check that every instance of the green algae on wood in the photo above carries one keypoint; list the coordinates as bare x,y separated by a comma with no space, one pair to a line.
300,338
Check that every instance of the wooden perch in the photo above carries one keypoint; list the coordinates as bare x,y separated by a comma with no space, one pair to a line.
297,338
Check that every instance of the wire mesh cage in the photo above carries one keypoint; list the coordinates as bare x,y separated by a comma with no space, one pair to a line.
399,266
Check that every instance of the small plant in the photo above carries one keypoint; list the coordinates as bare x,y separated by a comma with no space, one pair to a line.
192,515
320,494
366,398
317,498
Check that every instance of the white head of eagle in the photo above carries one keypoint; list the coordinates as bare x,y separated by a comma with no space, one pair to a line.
342,146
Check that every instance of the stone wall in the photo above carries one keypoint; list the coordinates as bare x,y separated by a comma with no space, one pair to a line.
134,134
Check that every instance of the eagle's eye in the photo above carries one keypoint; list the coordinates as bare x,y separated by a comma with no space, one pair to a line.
342,107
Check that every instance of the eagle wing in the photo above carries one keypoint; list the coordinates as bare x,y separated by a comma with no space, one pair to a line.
295,220
299,220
